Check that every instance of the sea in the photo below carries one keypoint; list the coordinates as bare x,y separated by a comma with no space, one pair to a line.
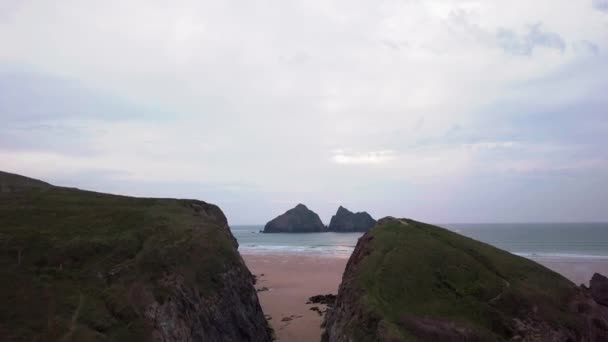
549,241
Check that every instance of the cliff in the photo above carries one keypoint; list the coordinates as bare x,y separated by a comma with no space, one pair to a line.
297,220
347,221
410,281
84,266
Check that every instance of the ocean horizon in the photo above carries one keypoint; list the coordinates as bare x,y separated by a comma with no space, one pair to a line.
546,241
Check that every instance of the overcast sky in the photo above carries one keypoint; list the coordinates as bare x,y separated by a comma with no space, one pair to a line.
443,111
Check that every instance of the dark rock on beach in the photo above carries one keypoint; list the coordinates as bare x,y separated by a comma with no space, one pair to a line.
328,299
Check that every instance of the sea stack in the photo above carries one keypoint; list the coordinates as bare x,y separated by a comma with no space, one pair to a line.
297,220
347,221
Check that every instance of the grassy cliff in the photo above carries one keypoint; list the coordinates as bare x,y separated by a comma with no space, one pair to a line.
85,266
410,281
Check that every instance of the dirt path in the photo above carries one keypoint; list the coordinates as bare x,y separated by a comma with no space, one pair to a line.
507,286
74,321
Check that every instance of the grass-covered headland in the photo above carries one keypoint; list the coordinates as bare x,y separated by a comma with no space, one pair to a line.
411,281
85,266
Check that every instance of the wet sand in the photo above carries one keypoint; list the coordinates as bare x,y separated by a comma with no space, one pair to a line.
292,279
578,271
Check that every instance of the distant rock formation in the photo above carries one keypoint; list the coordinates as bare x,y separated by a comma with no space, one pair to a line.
347,221
297,220
408,280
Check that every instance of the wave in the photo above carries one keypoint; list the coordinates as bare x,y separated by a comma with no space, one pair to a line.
562,256
329,250
346,250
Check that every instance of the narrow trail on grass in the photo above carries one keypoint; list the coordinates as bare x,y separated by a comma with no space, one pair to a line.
497,298
68,335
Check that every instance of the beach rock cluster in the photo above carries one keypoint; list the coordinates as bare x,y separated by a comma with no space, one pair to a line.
327,299
409,280
303,220
86,266
346,221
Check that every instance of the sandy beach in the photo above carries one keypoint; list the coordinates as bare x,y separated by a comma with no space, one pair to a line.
292,279
578,271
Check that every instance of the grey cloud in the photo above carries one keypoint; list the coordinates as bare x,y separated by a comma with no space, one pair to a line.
525,44
586,47
601,5
394,44
33,96
35,137
511,41
297,59
261,95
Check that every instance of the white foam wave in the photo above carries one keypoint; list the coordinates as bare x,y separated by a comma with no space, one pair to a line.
562,256
337,251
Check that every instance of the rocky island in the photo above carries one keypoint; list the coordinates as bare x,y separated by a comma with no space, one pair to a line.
347,221
85,266
410,281
297,220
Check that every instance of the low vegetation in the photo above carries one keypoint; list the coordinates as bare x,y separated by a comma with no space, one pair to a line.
413,281
75,263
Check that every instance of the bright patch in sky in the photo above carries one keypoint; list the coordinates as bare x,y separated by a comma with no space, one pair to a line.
376,157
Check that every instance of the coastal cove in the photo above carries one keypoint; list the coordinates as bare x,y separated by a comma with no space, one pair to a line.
304,171
290,279
290,267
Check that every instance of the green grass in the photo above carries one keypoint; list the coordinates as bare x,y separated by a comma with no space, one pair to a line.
420,270
65,250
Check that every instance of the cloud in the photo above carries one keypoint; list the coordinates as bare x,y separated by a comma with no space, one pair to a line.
432,99
491,145
31,95
587,47
543,167
601,5
526,43
510,40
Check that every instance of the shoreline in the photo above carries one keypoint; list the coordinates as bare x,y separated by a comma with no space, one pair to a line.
576,270
285,281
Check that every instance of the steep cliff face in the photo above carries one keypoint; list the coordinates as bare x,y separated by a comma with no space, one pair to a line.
85,266
297,220
347,221
409,281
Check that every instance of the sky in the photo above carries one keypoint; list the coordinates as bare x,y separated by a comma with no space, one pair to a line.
441,111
